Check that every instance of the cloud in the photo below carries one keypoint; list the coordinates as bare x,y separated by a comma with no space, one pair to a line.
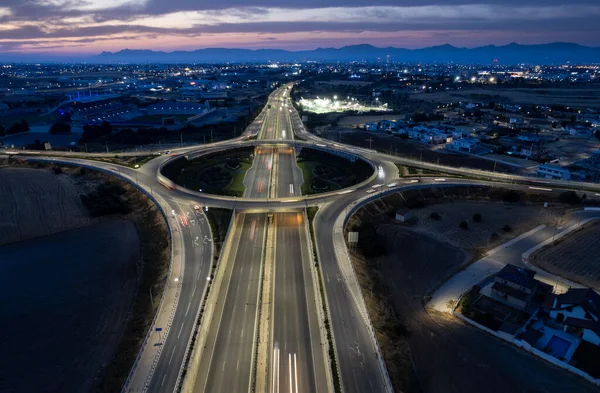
29,21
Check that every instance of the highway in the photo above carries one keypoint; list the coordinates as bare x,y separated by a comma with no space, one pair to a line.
227,361
228,357
297,359
228,367
197,253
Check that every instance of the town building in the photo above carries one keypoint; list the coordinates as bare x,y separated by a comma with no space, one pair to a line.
468,145
553,172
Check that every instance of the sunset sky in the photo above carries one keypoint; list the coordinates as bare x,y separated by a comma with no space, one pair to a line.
92,26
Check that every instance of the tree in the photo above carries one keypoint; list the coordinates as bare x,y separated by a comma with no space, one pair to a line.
19,127
60,128
511,196
464,225
477,217
506,228
569,197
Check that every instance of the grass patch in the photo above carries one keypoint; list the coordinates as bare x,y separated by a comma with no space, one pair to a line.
325,172
236,186
217,173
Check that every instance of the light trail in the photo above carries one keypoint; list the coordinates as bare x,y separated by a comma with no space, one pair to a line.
540,189
252,229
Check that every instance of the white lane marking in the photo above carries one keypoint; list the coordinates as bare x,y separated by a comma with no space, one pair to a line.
290,372
188,308
179,334
172,353
242,335
223,368
194,291
163,381
237,367
274,371
296,372
291,189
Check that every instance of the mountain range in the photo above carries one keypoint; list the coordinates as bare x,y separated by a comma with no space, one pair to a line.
552,53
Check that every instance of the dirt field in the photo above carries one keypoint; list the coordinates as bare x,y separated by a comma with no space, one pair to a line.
354,121
574,257
64,335
433,352
64,300
478,235
587,98
36,203
406,148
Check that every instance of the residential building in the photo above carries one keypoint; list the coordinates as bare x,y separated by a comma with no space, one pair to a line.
465,144
517,286
553,172
387,125
403,215
578,310
528,137
370,126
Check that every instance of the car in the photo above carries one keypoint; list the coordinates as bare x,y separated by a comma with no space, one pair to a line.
197,207
168,151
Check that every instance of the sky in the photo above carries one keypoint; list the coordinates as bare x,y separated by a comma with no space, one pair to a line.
86,27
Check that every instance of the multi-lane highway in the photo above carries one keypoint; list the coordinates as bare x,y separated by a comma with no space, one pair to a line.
295,355
227,359
297,359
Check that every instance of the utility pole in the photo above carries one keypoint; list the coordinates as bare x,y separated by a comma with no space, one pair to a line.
495,162
181,136
106,144
211,136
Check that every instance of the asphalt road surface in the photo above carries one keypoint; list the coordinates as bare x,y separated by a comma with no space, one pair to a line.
195,230
226,365
297,360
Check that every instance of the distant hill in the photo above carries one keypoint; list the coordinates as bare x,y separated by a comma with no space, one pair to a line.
553,53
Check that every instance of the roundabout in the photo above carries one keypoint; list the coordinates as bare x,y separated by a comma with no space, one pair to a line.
270,216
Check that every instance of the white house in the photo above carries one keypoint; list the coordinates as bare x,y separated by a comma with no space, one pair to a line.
465,144
578,310
553,172
403,215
